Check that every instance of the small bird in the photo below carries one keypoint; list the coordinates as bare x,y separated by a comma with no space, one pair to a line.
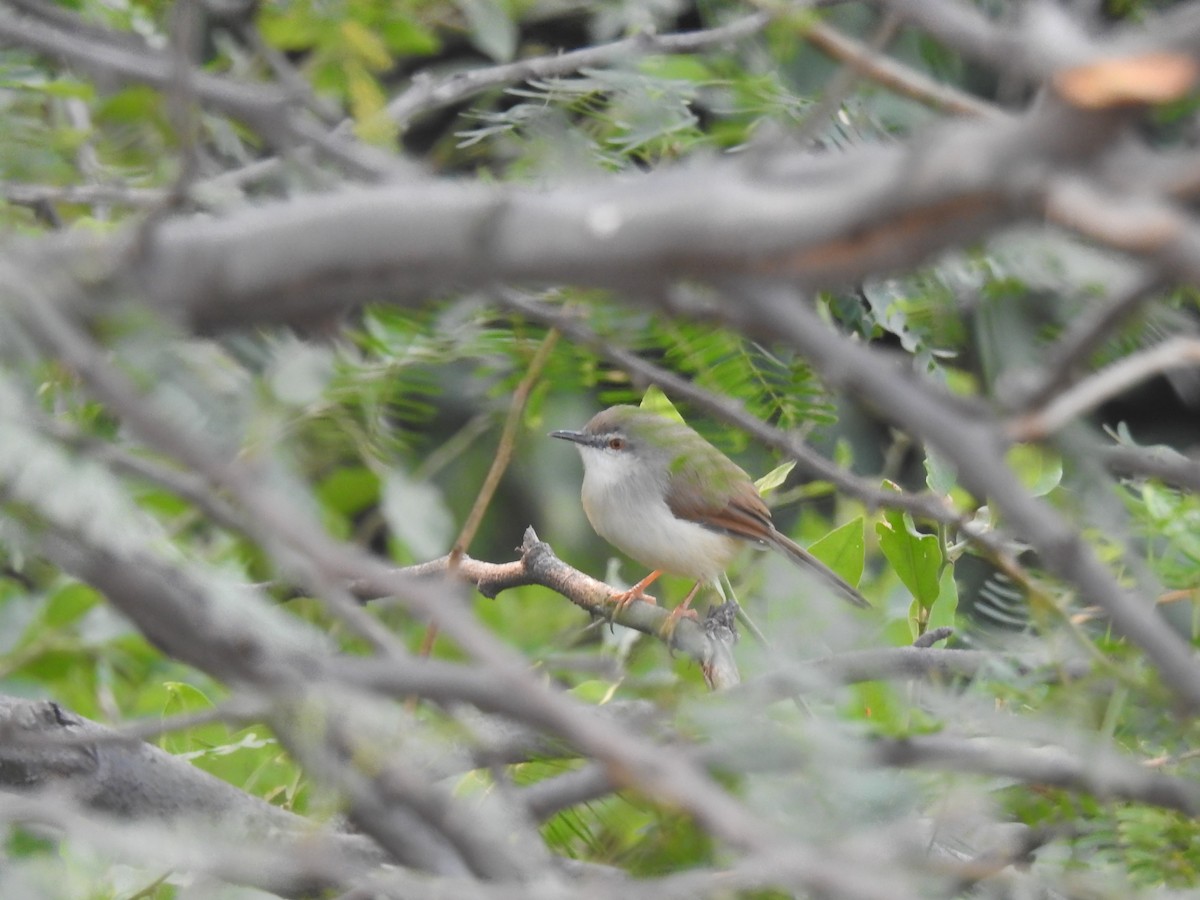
662,494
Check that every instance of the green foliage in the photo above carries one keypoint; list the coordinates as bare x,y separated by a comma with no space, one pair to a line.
658,402
348,44
915,557
388,429
782,390
843,550
775,478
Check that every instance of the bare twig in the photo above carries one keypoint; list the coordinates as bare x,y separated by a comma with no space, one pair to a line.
427,94
1154,462
894,75
504,449
843,81
905,663
1085,334
1175,353
1098,772
87,194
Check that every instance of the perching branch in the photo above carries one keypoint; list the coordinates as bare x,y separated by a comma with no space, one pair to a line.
539,565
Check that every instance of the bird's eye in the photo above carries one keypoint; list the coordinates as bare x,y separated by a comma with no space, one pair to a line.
616,443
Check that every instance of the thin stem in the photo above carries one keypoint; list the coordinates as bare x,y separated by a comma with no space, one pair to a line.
504,451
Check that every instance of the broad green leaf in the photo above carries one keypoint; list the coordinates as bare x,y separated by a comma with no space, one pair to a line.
132,106
366,96
656,401
940,475
594,692
775,477
917,615
366,46
876,702
898,633
349,490
367,102
844,550
68,604
1039,469
294,31
916,557
182,696
407,38
945,610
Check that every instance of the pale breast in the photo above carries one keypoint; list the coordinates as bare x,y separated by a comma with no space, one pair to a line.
636,521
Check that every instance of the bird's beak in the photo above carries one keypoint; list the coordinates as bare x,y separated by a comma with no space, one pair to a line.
577,437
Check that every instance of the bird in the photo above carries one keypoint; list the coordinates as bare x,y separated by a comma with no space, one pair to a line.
663,495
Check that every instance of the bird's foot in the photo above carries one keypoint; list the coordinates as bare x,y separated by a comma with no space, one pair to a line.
622,599
667,630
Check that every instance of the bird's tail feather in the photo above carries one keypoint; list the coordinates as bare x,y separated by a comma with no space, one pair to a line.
806,560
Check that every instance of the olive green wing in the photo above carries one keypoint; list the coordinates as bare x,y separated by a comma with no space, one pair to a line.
708,488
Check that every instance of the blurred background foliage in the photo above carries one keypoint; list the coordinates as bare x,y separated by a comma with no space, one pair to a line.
388,420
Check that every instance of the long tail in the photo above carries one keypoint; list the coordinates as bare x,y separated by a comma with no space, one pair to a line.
806,560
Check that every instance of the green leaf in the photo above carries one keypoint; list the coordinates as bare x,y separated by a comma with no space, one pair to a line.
775,477
844,550
131,106
876,702
69,604
367,98
940,475
365,45
294,31
408,38
945,610
349,490
1039,469
682,67
656,401
916,557
594,692
59,87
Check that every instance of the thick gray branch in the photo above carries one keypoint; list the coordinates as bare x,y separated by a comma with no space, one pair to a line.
819,220
44,747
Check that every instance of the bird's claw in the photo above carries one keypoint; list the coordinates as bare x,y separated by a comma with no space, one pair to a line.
622,599
667,631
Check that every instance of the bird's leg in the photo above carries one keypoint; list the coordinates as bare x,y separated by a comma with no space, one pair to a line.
637,592
679,612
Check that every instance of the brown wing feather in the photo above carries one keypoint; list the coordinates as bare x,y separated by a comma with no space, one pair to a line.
745,515
699,471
